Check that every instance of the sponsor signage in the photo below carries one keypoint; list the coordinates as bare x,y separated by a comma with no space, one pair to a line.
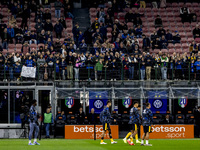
182,102
171,132
87,132
127,102
69,102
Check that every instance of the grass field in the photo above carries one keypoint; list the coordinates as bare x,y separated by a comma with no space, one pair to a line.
61,144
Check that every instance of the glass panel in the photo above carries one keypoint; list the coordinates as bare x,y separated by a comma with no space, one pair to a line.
20,101
4,106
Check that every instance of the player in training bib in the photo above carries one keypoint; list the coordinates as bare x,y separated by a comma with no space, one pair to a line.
147,120
134,123
105,118
33,124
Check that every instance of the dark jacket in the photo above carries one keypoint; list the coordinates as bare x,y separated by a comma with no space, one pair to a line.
58,28
48,27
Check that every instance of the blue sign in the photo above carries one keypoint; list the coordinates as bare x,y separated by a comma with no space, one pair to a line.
97,100
158,101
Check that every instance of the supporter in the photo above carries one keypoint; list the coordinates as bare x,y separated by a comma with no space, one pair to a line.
137,22
50,62
57,45
146,43
129,17
33,6
70,63
25,16
39,15
42,37
193,16
12,20
108,21
17,70
11,33
138,32
32,41
101,15
196,32
62,21
4,38
110,11
48,25
103,31
158,21
62,114
48,35
98,70
58,28
164,64
148,62
176,37
167,120
80,116
184,13
131,67
47,15
30,62
75,32
163,42
83,46
161,31
178,71
92,117
156,44
142,68
38,26
41,62
68,12
58,5
169,36
197,65
192,70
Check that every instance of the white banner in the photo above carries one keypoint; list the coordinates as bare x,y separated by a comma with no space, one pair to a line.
28,72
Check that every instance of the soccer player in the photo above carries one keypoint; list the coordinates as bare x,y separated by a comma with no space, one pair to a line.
33,124
147,118
134,123
105,118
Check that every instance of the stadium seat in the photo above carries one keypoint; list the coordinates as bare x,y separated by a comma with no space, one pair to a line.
180,121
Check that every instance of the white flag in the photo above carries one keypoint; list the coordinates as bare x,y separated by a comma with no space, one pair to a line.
28,72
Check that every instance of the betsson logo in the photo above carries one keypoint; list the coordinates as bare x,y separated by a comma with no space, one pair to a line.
87,129
168,129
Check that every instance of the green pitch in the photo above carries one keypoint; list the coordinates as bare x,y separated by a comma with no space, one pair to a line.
61,144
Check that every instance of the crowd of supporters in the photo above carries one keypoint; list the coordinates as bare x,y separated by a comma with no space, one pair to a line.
110,49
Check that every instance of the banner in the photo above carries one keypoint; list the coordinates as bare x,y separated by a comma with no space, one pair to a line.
87,132
170,132
158,101
28,72
97,100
